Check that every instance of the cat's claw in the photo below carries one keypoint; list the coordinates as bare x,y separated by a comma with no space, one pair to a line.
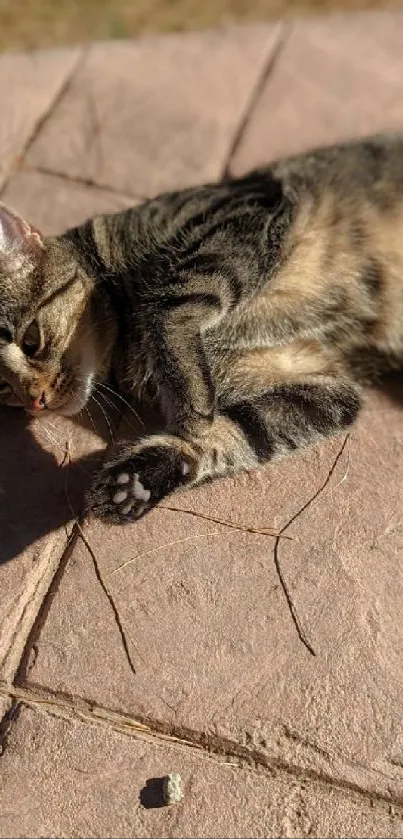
128,486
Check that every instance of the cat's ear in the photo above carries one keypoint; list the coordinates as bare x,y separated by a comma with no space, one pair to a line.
18,237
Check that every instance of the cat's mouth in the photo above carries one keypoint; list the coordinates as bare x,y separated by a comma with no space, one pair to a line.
78,400
66,404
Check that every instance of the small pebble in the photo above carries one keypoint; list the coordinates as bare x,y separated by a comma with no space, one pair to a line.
172,788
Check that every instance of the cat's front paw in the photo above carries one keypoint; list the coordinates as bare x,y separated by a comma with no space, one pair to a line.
137,477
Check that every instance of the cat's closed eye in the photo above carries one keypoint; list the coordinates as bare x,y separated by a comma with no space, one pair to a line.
32,339
4,388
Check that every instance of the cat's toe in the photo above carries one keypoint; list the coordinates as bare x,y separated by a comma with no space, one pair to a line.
126,498
131,497
123,478
139,491
117,496
125,492
120,496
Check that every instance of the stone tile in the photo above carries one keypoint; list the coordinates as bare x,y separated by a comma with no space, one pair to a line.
53,204
35,514
158,113
208,629
29,85
338,77
92,781
40,498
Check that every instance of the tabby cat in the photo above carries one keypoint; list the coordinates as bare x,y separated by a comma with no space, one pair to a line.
252,310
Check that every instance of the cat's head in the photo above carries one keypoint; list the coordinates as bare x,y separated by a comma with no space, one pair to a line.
51,343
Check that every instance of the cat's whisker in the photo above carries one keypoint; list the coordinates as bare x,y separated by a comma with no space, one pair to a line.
52,439
107,401
118,396
107,420
64,450
112,406
105,398
46,425
48,436
51,425
87,411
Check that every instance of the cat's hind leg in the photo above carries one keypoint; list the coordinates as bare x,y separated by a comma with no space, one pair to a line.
271,403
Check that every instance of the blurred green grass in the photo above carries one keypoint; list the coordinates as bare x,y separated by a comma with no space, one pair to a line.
29,24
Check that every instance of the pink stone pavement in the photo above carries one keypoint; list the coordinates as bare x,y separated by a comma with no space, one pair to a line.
169,645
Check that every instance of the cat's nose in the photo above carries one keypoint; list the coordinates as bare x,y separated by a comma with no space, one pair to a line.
38,404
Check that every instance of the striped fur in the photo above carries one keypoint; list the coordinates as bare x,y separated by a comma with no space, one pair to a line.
254,309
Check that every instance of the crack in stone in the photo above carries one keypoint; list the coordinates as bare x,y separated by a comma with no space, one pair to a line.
267,70
276,557
64,87
81,181
29,604
281,534
295,737
110,599
207,746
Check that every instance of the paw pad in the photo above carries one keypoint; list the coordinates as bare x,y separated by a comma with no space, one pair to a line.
137,492
120,496
123,478
145,476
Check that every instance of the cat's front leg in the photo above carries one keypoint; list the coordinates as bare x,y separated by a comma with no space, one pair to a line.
137,476
186,390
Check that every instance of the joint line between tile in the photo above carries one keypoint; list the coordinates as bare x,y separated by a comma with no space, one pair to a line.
268,68
207,746
77,181
64,87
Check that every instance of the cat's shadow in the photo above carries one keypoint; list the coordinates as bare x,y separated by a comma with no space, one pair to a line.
42,489
39,496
